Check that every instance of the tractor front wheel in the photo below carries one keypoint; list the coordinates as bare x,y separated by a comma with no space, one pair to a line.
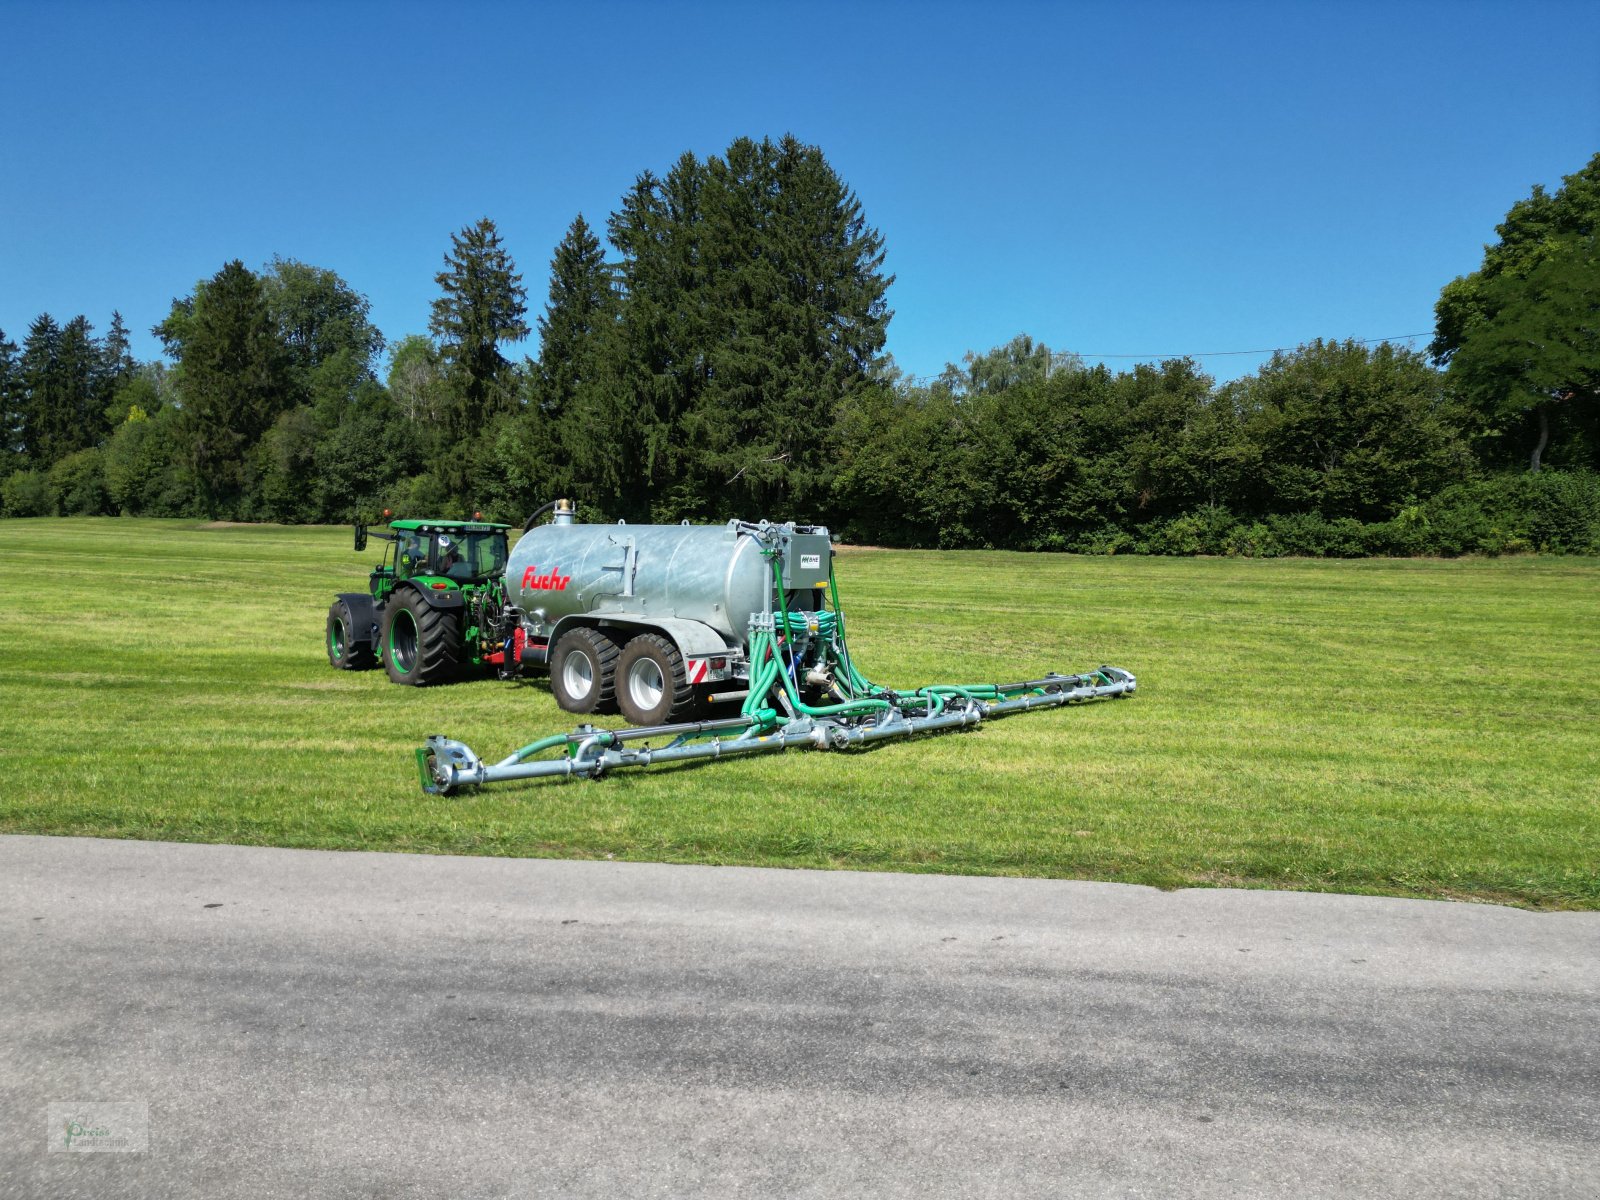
346,650
421,644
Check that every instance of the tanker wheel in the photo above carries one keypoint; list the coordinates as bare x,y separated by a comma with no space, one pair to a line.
344,653
583,670
652,687
421,644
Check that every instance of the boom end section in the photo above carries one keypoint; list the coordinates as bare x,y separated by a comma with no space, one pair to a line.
444,765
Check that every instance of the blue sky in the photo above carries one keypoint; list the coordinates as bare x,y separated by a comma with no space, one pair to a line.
1113,179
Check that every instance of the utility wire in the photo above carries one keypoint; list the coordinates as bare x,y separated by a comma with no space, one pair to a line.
919,380
1394,337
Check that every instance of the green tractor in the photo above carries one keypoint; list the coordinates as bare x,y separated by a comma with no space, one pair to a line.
434,607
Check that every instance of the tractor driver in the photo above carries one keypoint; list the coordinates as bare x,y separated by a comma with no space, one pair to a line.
449,554
413,552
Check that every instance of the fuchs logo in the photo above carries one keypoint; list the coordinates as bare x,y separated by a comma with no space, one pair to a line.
551,581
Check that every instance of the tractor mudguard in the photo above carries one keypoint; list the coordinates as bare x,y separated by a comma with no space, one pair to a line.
363,617
436,598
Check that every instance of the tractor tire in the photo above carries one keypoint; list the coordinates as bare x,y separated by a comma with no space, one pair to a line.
652,686
421,644
344,652
583,672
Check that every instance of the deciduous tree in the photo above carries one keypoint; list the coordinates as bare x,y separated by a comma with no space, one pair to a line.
1521,335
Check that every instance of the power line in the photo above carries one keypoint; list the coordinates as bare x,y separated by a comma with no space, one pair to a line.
919,380
1394,337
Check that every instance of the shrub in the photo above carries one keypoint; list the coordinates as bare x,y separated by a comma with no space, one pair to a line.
1108,539
25,494
1553,511
1204,531
1563,511
1315,536
1255,540
78,484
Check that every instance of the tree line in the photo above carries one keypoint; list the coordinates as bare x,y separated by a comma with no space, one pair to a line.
721,353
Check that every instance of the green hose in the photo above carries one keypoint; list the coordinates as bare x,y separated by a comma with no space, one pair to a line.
769,665
546,743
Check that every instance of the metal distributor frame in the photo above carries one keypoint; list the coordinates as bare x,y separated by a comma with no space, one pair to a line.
795,659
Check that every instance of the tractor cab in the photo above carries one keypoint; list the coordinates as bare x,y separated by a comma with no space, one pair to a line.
462,553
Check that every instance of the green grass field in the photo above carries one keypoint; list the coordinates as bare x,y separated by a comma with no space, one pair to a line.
1410,727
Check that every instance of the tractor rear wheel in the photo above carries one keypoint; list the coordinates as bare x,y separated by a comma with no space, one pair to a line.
652,686
345,651
583,672
421,643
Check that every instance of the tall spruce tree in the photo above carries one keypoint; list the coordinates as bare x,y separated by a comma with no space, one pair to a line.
484,306
44,397
117,364
233,377
661,358
10,407
566,440
81,421
753,303
798,294
579,314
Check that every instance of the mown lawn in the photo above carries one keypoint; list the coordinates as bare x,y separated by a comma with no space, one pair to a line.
1409,727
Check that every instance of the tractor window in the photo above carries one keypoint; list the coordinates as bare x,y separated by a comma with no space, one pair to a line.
411,554
469,556
484,553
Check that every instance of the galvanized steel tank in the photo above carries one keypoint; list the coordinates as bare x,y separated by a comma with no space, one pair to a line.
707,573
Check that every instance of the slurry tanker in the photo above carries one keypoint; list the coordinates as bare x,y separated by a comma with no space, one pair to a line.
710,640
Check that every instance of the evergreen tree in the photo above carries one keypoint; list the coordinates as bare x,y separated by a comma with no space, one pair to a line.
234,377
123,383
43,394
660,361
57,406
10,407
483,306
117,364
753,303
560,444
82,421
580,312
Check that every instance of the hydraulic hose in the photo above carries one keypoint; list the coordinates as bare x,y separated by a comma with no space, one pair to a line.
536,514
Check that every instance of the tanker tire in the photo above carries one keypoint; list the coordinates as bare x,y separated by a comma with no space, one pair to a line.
343,653
421,644
652,686
583,672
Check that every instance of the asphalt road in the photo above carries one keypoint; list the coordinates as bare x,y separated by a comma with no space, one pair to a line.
302,1023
